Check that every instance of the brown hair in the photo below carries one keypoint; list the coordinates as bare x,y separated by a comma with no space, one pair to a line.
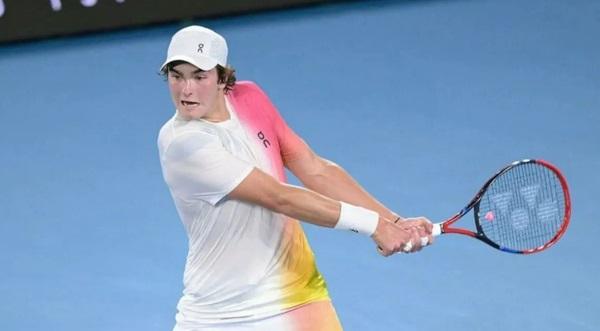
226,75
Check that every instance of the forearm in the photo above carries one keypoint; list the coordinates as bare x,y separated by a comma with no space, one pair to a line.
334,182
316,208
303,204
306,205
309,206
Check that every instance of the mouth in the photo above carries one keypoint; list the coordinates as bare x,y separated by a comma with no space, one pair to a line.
189,103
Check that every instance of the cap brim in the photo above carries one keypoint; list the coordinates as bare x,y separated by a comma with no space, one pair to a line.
201,62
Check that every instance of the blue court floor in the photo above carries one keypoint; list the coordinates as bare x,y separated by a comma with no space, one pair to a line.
420,100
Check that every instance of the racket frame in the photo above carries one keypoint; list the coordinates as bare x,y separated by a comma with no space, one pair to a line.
445,226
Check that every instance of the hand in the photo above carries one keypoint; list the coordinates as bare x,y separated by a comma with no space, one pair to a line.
394,237
422,225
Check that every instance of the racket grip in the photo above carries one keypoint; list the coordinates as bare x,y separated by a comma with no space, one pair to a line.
437,229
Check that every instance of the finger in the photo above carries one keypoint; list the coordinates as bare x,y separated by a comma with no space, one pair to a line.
407,247
425,224
423,232
428,226
416,238
382,252
431,239
425,241
414,244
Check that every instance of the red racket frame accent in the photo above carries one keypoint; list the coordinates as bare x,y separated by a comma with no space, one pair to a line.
567,217
445,225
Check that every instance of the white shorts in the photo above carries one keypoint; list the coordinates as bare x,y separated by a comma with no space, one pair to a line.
315,316
277,322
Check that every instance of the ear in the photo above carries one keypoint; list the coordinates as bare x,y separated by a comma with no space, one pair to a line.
220,85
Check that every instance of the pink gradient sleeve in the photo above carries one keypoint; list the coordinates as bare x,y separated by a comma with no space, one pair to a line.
257,111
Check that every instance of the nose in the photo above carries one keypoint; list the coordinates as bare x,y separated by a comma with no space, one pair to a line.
187,87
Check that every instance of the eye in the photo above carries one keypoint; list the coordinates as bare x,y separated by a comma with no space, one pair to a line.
199,77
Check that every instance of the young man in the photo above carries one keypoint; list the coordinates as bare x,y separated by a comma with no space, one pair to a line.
223,153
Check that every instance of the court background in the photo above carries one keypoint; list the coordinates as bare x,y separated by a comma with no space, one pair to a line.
420,100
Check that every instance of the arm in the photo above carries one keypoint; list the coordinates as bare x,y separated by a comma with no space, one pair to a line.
327,180
331,180
196,167
314,172
262,189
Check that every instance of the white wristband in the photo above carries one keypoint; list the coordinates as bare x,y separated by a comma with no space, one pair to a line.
357,219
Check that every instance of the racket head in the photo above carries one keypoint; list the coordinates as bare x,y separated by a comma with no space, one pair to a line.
525,208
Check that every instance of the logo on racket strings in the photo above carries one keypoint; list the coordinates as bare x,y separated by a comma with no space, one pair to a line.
522,206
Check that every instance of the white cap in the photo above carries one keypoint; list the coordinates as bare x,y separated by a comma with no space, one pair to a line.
199,46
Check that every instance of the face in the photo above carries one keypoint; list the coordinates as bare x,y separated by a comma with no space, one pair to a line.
197,93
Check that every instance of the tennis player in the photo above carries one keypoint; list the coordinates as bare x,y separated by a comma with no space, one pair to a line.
223,153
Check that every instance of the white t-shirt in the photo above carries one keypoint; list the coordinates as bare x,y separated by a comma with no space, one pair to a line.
245,262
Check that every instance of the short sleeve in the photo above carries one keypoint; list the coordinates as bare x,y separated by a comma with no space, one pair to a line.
290,144
196,166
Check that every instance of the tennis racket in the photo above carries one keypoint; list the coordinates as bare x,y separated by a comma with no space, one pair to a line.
523,209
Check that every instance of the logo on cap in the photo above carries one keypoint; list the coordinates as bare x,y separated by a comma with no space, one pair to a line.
200,48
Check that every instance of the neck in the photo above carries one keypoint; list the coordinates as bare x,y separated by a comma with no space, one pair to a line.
220,113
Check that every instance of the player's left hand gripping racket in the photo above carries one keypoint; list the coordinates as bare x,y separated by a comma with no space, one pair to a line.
523,209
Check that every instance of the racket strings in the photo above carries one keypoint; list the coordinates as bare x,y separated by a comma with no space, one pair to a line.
523,208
